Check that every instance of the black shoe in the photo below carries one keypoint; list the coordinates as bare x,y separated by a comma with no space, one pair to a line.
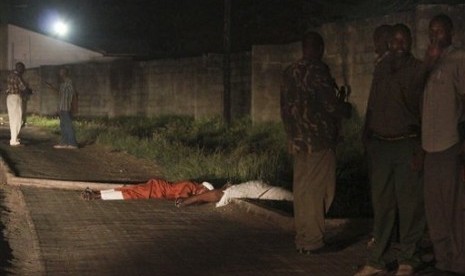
322,250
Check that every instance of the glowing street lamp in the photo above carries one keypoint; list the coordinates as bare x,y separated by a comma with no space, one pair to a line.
60,28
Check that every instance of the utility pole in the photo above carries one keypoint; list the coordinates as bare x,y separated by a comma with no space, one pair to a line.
227,63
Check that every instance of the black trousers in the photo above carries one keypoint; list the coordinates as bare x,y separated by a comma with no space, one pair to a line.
445,207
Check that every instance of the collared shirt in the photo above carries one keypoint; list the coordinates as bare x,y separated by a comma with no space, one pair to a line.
66,95
15,84
308,106
442,106
395,97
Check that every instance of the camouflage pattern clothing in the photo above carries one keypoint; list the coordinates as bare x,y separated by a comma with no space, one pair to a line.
309,106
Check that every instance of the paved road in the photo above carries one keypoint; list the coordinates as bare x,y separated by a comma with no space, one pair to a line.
51,231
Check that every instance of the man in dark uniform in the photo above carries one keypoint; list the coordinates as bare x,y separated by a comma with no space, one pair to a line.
395,155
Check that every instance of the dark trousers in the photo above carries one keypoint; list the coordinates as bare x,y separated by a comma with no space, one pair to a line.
314,187
445,207
397,191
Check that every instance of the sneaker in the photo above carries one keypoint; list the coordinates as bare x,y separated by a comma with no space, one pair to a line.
405,270
368,270
59,146
71,147
15,144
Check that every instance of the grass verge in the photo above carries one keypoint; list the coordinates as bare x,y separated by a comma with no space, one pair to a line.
207,149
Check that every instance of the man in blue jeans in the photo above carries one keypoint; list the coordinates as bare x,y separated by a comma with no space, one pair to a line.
66,93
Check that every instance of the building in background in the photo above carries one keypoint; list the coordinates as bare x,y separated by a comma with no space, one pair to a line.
35,49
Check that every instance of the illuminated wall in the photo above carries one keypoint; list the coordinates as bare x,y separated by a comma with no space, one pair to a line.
35,49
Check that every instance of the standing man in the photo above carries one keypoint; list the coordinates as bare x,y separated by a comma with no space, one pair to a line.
16,86
311,115
381,38
66,94
395,155
443,110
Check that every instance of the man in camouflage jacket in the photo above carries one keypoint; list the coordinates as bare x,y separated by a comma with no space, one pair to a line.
311,113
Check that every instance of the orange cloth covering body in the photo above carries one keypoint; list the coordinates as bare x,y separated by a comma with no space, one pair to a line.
160,188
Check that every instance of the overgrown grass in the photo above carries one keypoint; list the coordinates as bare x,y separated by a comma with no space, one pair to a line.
207,149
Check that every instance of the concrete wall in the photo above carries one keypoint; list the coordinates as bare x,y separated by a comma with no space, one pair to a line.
3,47
194,86
349,53
189,86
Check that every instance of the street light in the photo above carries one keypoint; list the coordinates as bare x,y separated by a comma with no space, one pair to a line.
60,28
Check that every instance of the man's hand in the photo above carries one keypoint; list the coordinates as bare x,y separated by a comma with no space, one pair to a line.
432,54
179,202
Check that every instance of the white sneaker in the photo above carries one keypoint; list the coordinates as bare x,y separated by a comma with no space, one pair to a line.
15,144
369,270
71,147
59,146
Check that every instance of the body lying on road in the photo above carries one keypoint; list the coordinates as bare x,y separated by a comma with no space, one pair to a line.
186,193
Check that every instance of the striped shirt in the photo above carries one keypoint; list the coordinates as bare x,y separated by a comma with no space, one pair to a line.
66,95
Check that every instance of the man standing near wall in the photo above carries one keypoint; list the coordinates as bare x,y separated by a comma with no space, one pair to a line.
66,94
443,110
395,155
311,114
381,39
16,87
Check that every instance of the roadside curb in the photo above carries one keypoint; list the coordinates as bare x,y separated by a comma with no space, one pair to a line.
283,221
12,179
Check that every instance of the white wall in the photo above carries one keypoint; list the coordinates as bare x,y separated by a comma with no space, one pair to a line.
35,50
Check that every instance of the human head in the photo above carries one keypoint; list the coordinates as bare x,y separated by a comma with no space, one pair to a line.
20,67
401,40
64,72
205,187
208,186
313,45
381,38
441,31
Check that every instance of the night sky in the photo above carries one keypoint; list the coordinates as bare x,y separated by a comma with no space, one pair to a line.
170,28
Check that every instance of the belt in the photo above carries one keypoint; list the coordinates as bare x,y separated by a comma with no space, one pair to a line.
395,138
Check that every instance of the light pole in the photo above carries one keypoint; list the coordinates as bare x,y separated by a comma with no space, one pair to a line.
227,63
